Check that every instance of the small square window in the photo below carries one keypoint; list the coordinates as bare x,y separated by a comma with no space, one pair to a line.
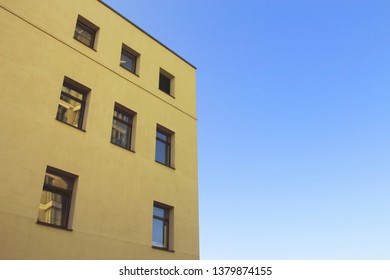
122,126
56,198
85,32
164,146
162,232
166,82
129,59
71,107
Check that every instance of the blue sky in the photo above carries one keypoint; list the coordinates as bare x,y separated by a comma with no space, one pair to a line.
293,101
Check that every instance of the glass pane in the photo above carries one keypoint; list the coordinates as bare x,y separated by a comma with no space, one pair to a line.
158,212
161,152
162,136
128,61
58,181
120,133
72,92
165,84
83,34
69,110
52,208
160,233
122,116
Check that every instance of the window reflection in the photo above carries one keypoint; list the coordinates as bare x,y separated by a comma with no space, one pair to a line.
84,34
128,61
71,106
121,127
160,232
163,147
51,208
55,200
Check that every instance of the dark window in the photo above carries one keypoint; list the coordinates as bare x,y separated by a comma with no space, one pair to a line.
128,61
85,34
56,198
71,106
161,217
165,83
163,147
122,125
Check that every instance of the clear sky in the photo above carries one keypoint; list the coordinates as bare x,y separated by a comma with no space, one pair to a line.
293,102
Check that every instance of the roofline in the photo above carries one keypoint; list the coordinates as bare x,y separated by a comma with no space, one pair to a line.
146,33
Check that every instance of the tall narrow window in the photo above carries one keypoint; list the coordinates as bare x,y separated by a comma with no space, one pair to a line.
71,107
166,82
85,32
122,126
56,197
161,226
163,146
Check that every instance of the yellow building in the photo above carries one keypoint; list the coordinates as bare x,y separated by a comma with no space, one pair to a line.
98,137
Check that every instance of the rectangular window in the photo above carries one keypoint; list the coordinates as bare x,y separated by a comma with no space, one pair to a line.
122,126
71,107
161,226
56,198
85,32
129,59
166,82
164,146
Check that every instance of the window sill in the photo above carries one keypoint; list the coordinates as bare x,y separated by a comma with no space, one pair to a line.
163,249
169,94
135,74
91,48
83,130
130,150
171,167
53,226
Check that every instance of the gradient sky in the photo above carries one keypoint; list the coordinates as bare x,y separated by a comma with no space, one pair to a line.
293,101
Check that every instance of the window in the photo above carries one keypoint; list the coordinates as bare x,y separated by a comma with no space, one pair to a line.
85,32
166,82
129,59
71,107
164,146
122,125
56,198
161,234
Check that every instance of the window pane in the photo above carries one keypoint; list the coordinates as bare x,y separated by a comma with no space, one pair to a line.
161,152
52,208
69,110
72,92
55,198
120,134
58,181
128,61
124,117
84,34
158,212
158,233
162,136
165,84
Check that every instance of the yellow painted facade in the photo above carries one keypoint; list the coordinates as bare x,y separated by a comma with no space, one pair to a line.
111,208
